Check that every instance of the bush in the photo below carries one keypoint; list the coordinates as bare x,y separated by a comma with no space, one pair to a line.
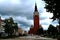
24,35
10,36
58,38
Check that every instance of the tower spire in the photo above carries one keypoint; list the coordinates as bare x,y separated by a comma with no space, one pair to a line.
36,7
36,10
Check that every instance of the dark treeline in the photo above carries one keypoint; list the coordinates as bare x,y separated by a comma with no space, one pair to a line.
52,31
53,6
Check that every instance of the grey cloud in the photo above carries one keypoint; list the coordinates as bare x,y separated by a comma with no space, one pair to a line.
42,18
44,23
25,9
55,22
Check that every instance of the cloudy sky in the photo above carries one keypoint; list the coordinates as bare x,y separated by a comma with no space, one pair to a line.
22,12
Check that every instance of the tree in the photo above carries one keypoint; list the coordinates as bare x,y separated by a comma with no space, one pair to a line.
53,6
58,28
52,30
10,26
40,31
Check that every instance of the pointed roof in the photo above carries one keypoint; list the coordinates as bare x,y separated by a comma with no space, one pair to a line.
36,7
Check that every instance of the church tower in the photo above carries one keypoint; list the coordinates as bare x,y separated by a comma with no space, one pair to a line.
33,29
36,19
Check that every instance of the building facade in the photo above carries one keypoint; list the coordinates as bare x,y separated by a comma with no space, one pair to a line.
1,25
20,31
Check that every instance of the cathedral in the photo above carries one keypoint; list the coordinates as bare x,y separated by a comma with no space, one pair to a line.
33,29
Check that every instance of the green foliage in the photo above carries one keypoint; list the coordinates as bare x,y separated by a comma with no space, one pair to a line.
40,31
53,6
10,26
52,30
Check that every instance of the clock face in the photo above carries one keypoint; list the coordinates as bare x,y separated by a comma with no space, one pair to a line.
36,13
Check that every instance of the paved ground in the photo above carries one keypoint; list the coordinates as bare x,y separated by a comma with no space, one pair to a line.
30,38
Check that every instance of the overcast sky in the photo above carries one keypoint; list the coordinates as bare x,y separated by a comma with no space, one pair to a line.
22,12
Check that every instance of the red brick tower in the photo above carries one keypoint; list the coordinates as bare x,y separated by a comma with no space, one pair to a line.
36,19
33,30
